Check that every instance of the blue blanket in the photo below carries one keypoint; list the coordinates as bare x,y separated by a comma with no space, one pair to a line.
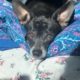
10,28
11,35
68,40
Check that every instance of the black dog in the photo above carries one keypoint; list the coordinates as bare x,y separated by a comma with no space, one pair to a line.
44,27
46,22
40,34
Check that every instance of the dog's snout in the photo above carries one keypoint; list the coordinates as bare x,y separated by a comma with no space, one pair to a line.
37,52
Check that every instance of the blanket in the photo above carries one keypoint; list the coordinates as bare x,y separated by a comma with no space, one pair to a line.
10,28
67,42
14,63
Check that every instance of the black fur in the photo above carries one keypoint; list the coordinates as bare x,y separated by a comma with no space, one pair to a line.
42,28
43,7
41,32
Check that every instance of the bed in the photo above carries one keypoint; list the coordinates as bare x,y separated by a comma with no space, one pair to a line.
14,54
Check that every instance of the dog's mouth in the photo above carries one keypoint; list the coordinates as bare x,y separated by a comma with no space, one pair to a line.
38,53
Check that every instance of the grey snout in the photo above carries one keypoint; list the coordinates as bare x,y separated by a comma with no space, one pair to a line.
37,52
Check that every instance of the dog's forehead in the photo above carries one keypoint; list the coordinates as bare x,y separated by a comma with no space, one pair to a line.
40,18
40,29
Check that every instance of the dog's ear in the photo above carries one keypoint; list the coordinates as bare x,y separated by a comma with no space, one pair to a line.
23,1
21,12
63,14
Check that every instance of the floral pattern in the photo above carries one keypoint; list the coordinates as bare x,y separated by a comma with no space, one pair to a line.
69,39
43,75
17,62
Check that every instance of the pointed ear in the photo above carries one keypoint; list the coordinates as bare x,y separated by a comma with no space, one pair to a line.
63,14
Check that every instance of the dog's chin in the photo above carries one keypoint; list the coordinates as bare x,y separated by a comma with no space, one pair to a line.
39,58
42,57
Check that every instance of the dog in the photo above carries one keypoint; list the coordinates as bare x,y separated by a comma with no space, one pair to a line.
44,27
25,11
45,24
40,33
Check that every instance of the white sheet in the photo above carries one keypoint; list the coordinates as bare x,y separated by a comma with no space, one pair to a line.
15,62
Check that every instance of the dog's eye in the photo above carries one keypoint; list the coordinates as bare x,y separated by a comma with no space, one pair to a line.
47,40
49,37
49,33
30,36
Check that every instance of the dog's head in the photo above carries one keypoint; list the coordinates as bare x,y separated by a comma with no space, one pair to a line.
40,34
42,31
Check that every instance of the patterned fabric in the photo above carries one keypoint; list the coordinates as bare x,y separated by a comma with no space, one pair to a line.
10,27
69,39
77,11
15,63
59,68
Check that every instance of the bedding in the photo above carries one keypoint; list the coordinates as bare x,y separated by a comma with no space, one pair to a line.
10,28
67,42
14,57
15,62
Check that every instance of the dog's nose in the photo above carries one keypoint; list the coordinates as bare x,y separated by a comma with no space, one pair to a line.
37,52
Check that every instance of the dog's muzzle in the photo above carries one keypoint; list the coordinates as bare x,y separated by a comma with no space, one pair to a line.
37,52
